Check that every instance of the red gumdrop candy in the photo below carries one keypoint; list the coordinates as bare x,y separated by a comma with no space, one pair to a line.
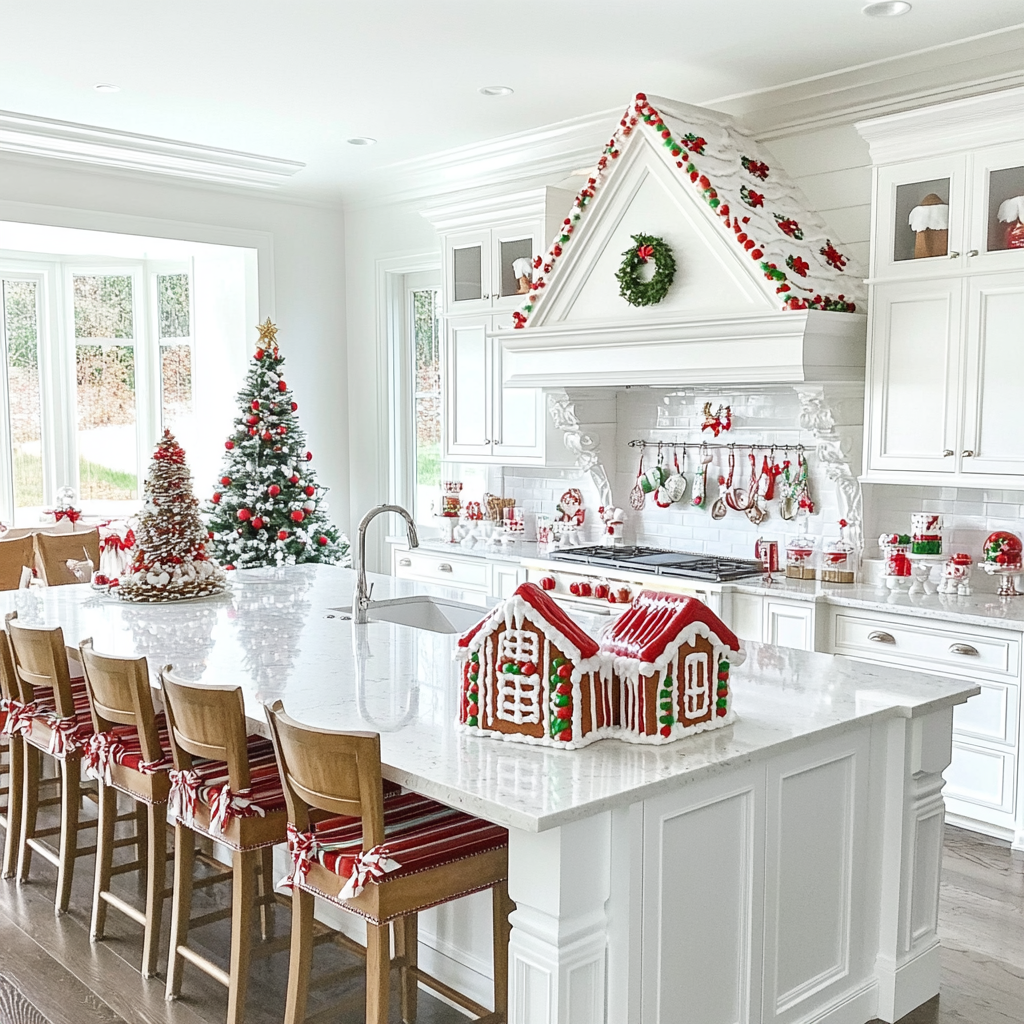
564,671
529,669
564,688
666,730
564,713
565,735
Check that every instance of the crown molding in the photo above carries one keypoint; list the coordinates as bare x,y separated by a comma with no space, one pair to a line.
533,158
965,67
946,127
25,135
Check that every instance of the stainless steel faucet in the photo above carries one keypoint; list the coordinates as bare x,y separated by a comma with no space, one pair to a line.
361,600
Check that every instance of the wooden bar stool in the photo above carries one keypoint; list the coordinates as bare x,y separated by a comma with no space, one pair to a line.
54,550
225,786
15,555
384,860
13,749
52,715
129,752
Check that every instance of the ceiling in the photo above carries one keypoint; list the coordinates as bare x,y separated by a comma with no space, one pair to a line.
295,80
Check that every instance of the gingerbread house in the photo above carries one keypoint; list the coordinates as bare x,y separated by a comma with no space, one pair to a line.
529,673
667,668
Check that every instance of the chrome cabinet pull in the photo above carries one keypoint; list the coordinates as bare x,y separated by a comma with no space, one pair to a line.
881,637
406,562
445,567
967,453
973,252
954,255
963,649
947,452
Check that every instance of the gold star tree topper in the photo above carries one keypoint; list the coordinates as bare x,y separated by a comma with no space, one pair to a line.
268,332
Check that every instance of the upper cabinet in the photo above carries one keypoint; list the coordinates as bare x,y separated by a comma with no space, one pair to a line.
489,268
945,358
950,214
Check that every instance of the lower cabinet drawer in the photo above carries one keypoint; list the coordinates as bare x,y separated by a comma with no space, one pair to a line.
981,775
927,648
990,716
434,567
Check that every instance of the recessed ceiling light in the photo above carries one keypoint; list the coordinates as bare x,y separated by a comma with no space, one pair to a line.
887,9
361,140
107,87
496,90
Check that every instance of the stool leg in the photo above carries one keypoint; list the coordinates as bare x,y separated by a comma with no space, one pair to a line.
407,947
29,809
501,929
265,887
141,840
104,858
300,956
15,799
378,970
156,883
242,894
70,795
181,905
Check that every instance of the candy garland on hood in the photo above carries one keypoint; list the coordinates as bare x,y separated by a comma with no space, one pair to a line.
686,149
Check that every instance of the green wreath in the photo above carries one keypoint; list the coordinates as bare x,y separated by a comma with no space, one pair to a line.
646,293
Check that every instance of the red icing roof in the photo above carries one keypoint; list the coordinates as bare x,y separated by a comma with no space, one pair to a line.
547,611
646,629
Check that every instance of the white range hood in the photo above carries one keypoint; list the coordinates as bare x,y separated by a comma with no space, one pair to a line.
761,293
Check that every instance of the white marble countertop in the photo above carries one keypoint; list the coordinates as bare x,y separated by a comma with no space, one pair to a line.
514,551
278,635
981,608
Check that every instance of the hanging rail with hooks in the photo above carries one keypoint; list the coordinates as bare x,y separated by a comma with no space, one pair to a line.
710,446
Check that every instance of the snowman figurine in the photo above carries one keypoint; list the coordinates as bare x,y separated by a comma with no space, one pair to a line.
956,576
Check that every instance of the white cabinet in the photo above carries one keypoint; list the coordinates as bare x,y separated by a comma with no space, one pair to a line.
981,780
784,622
485,421
466,572
480,266
945,366
947,296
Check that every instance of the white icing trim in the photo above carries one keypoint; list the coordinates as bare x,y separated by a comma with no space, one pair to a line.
1011,210
929,218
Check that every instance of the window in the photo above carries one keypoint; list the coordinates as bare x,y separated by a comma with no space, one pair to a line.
174,329
19,336
426,351
696,686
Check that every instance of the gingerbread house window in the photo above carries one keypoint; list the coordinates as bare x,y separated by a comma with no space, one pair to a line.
696,685
519,645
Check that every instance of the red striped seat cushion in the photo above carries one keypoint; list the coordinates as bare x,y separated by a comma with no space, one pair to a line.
121,745
207,782
68,738
419,834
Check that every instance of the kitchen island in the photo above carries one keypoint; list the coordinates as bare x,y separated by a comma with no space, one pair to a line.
784,868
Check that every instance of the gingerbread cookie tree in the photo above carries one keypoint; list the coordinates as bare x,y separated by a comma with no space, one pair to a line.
268,508
169,561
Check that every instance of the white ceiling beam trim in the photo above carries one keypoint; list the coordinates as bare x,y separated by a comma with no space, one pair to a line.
65,140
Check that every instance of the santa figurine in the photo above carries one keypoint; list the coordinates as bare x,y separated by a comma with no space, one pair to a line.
523,270
570,505
1011,213
613,519
956,576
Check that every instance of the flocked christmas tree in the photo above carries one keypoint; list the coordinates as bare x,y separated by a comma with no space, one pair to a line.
169,561
268,508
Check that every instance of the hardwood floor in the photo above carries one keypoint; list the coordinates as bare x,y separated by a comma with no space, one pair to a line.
69,980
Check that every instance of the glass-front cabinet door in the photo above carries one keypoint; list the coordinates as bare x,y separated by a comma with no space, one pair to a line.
468,272
920,217
512,264
997,223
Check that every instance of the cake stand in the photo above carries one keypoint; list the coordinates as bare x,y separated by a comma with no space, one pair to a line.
1007,574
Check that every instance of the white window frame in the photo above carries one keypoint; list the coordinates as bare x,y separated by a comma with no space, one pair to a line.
696,695
53,274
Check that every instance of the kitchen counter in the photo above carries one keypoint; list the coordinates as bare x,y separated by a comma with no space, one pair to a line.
763,817
278,635
981,608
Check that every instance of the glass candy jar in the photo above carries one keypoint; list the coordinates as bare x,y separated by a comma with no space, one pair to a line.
800,553
837,560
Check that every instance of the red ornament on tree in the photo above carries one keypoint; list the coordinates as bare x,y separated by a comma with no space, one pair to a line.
259,353
282,534
257,523
216,499
255,405
294,478
295,406
322,540
229,445
281,386
244,514
309,491
298,515
273,490
225,480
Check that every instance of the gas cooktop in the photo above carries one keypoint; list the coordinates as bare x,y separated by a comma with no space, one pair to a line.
660,562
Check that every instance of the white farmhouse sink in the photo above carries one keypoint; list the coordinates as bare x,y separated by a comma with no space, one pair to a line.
422,612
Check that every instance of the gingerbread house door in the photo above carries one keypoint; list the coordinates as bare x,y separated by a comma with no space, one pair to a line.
696,701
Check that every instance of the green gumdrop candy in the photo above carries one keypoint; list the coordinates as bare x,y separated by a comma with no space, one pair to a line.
557,662
721,702
666,719
561,700
472,720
